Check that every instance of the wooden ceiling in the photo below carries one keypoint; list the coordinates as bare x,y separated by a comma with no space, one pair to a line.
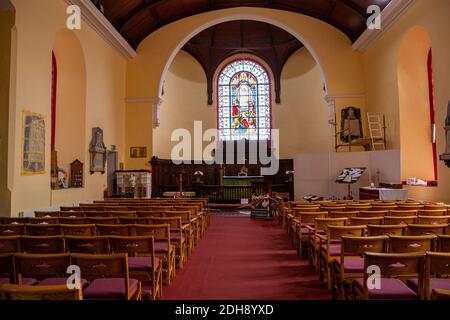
136,19
213,45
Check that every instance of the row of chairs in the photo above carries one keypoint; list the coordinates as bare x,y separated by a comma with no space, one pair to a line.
116,275
320,236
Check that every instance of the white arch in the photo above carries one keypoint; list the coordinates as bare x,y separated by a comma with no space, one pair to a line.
242,16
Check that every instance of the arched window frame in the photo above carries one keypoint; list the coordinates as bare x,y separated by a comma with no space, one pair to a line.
263,66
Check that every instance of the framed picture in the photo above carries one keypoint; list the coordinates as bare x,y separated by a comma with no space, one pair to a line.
138,152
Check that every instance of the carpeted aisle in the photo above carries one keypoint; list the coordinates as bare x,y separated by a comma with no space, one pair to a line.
241,258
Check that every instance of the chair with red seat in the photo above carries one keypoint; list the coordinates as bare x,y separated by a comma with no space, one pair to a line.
350,265
177,237
27,292
43,229
389,283
302,220
440,294
142,261
48,269
437,272
114,230
108,275
42,244
330,247
87,245
163,247
12,230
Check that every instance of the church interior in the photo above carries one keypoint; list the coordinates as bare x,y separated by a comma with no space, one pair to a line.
224,150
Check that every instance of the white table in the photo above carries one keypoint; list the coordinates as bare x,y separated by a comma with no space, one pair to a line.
389,194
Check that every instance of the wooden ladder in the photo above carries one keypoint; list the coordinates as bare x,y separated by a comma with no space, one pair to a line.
376,131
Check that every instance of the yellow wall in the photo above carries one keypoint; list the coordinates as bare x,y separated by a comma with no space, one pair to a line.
7,16
339,64
70,99
414,103
301,116
380,66
37,24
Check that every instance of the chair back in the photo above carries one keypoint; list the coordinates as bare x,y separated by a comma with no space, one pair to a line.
43,229
307,218
410,206
71,214
78,230
389,230
353,245
51,293
372,214
12,230
436,212
149,214
334,208
402,213
88,245
337,232
343,214
9,244
114,230
419,229
42,244
134,245
41,266
102,220
366,221
7,267
408,244
134,220
158,231
186,216
74,220
437,265
443,243
122,214
306,208
321,224
384,208
391,220
433,220
97,214
14,220
70,209
46,214
394,265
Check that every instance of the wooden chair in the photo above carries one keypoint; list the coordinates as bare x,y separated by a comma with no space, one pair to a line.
142,261
26,292
410,206
134,220
78,230
7,273
46,214
391,286
330,247
320,228
97,214
70,208
388,230
358,207
74,220
163,248
343,214
435,207
300,238
122,214
383,208
149,214
440,294
14,220
12,230
410,244
71,214
88,245
177,237
437,273
114,230
102,220
42,244
108,275
443,243
391,220
372,214
419,229
137,208
403,213
43,229
433,220
365,221
437,212
9,244
350,265
189,227
335,208
48,269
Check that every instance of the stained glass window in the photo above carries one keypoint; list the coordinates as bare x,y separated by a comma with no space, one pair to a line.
243,106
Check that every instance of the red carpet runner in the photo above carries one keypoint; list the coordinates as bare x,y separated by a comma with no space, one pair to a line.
239,258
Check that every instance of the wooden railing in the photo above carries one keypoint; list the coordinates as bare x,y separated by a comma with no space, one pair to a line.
225,194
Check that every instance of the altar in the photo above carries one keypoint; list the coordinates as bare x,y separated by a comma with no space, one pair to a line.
241,180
